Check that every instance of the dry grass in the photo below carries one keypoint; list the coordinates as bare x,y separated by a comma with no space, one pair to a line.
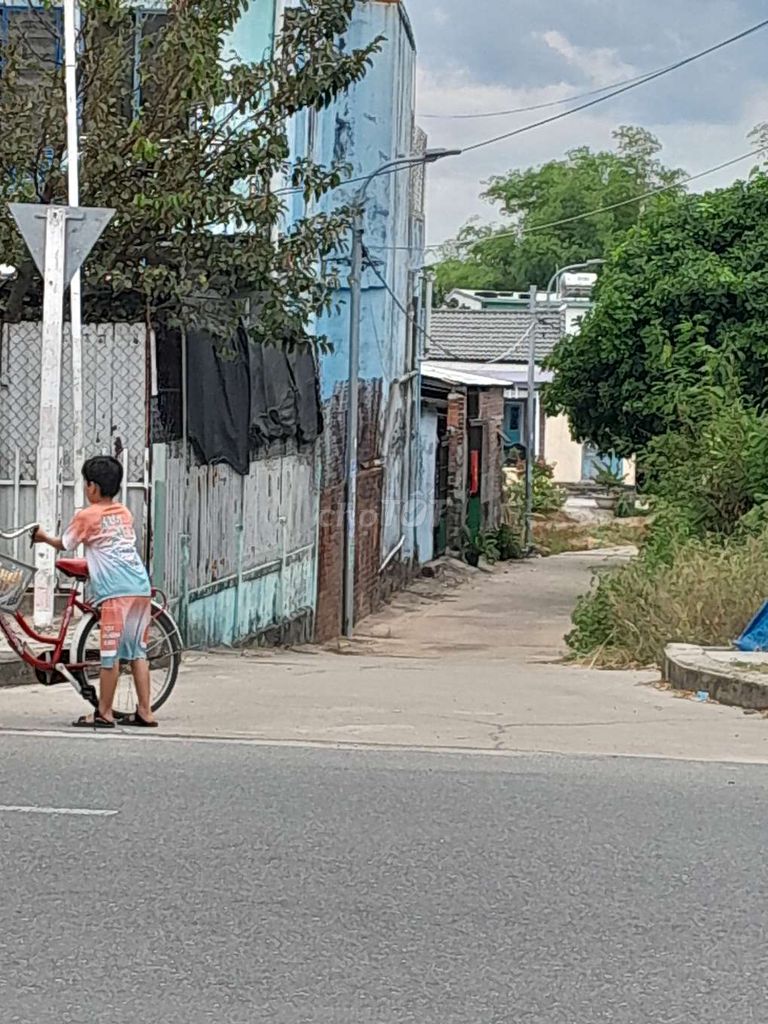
556,536
707,596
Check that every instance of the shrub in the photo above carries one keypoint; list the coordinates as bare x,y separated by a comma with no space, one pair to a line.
700,575
509,542
481,545
713,475
706,594
548,497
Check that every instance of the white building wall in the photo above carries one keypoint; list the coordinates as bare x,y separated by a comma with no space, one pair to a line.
561,451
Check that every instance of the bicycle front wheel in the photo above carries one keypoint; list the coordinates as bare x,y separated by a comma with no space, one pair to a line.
163,654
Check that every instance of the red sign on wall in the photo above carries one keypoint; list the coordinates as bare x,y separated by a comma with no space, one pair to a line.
474,473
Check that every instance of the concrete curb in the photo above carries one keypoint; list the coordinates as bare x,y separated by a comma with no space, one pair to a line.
13,671
689,667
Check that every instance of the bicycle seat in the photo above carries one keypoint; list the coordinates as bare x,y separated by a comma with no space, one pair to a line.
75,568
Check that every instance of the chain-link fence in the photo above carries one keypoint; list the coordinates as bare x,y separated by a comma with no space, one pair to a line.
114,398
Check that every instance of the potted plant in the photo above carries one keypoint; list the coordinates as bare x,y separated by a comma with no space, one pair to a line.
470,547
477,546
613,485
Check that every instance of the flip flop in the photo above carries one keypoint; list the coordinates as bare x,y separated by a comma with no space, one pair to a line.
99,722
140,723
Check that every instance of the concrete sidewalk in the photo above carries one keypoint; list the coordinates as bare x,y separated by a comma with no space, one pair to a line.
724,674
475,668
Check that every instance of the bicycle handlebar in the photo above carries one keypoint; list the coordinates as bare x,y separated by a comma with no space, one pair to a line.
18,532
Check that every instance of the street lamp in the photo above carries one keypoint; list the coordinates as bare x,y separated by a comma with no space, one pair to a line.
353,415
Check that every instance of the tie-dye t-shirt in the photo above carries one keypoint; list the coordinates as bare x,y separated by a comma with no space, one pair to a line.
114,565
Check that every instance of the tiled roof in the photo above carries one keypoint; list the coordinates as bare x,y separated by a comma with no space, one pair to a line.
479,336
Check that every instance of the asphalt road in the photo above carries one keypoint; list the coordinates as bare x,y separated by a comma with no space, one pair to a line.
239,884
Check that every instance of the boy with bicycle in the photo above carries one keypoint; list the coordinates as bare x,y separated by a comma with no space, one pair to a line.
120,587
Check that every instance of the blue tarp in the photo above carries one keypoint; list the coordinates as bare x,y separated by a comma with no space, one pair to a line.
755,636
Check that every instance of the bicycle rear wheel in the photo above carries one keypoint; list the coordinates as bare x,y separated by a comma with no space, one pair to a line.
163,653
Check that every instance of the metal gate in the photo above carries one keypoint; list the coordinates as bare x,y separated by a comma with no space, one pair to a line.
114,368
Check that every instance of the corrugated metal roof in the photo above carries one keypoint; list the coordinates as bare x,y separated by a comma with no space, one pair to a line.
458,374
501,374
483,335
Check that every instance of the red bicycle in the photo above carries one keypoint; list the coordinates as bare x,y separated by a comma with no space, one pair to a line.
73,654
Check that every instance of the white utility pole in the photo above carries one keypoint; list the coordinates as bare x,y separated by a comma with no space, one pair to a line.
50,393
71,29
59,238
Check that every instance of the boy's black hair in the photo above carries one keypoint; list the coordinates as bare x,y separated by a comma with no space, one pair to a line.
105,472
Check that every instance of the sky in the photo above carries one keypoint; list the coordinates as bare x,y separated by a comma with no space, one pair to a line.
485,55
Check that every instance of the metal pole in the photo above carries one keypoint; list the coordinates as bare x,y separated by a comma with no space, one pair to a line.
71,27
421,346
353,416
530,419
16,496
407,490
355,284
50,395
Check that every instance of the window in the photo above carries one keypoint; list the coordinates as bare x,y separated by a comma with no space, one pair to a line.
38,34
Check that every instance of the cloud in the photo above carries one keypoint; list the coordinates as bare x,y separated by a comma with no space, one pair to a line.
601,66
478,58
454,185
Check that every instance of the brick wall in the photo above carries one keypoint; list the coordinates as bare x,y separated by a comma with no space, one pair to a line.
492,414
457,467
330,564
368,545
329,619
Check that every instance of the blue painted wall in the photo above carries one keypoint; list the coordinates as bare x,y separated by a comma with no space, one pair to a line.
253,36
371,124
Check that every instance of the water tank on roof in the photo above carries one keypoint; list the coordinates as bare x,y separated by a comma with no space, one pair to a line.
577,286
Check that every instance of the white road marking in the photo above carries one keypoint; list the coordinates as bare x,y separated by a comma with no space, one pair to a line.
138,736
77,811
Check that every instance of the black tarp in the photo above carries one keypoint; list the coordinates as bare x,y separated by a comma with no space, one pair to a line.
305,382
274,415
242,397
219,398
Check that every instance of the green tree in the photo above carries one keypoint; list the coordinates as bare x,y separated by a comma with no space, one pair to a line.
680,323
523,250
194,152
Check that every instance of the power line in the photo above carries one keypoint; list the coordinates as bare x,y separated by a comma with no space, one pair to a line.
613,206
631,84
539,106
636,79
297,189
617,92
590,213
405,311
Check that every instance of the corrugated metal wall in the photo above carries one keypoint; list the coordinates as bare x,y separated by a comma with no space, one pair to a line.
239,552
236,555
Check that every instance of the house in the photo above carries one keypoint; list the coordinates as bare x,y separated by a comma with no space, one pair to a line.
460,458
573,299
493,342
257,552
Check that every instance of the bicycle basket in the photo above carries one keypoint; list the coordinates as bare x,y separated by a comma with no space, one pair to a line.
15,579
